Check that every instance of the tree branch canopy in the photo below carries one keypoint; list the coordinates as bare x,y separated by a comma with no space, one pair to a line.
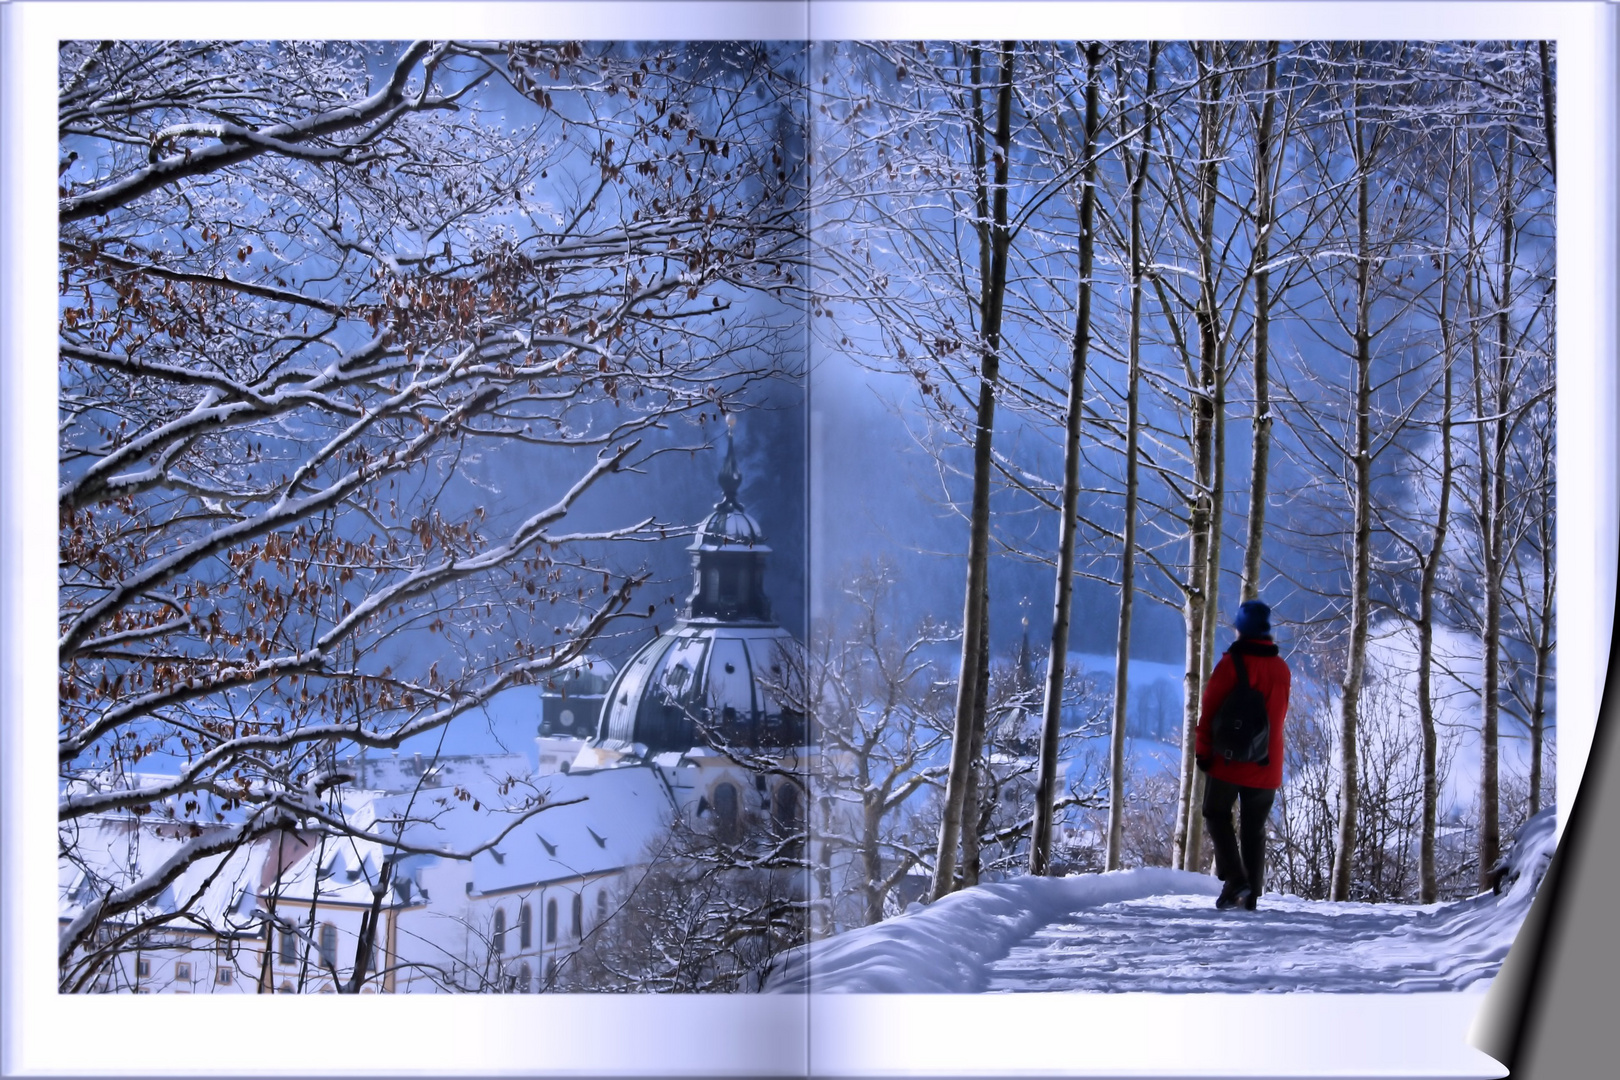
363,349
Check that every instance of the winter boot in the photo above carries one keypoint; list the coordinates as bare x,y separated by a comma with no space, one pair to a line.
1233,893
1250,900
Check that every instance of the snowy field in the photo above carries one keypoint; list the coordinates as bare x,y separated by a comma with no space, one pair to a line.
1157,930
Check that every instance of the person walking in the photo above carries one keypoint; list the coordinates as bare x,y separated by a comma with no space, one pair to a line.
1242,760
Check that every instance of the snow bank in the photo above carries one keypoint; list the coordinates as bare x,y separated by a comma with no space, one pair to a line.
1154,930
1526,862
948,946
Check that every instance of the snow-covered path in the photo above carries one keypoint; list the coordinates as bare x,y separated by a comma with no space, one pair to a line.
1157,930
1181,943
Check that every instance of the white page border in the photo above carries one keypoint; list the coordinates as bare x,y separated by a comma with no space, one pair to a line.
45,1033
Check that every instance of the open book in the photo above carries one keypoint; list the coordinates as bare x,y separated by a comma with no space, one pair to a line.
686,538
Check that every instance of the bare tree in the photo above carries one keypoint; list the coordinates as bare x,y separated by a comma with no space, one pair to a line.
1040,849
882,714
1137,176
992,227
715,904
1266,156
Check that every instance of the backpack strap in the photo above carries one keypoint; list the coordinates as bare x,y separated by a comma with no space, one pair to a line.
1242,672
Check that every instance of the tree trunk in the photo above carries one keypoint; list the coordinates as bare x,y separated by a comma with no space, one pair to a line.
1204,512
365,946
973,795
1212,596
1361,493
1548,106
1040,848
1490,823
1544,648
872,859
823,872
266,983
1260,446
1127,570
1428,885
974,615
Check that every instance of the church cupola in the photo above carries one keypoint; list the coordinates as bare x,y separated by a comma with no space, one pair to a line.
728,555
714,679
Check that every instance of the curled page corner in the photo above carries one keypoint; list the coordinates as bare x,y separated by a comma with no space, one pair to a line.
1550,991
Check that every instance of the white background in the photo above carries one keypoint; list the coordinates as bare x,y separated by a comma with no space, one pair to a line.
1301,1034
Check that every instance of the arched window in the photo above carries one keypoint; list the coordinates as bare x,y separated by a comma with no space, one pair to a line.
328,945
601,907
289,948
525,927
498,938
577,927
525,979
551,922
551,972
725,809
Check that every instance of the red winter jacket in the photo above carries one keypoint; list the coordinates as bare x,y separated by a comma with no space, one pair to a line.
1269,674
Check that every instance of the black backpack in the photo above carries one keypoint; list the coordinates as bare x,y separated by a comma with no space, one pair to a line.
1241,727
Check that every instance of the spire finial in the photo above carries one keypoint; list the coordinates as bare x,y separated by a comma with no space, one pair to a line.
730,473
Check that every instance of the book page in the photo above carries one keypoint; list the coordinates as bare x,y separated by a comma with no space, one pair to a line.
731,522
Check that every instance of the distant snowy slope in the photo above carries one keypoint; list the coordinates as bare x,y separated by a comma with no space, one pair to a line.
1156,930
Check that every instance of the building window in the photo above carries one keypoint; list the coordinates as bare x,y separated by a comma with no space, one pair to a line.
725,809
498,939
286,987
289,947
551,922
525,927
224,963
143,969
182,972
551,971
525,979
601,907
328,945
577,920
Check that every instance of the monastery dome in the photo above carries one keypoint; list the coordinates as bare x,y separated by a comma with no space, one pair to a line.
710,680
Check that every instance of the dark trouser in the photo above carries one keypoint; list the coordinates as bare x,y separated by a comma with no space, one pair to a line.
1232,865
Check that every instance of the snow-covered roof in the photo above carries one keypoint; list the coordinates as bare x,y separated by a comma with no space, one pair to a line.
117,851
599,823
396,773
604,822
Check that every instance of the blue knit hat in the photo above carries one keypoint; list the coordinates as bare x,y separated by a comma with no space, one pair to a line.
1253,619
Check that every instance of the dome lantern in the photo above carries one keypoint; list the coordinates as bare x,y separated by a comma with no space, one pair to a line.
728,555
